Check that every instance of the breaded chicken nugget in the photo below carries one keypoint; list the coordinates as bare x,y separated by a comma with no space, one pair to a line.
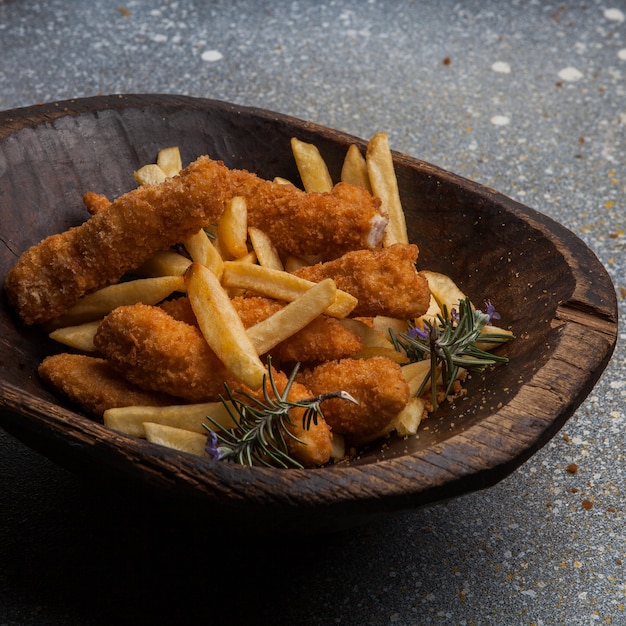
52,275
322,224
315,445
384,281
377,384
324,339
94,385
154,351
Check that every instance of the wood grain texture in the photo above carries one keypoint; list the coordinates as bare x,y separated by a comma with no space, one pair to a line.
546,283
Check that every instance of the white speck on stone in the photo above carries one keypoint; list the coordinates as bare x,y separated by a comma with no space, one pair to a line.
212,55
614,14
621,54
570,74
501,67
500,120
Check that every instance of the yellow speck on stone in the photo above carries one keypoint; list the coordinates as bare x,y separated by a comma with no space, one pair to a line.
609,204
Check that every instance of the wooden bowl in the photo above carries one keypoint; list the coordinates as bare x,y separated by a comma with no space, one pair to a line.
546,283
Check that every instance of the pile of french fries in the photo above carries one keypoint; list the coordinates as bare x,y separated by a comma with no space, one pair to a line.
232,258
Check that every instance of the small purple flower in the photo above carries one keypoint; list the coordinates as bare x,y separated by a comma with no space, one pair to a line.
454,316
416,331
491,312
211,447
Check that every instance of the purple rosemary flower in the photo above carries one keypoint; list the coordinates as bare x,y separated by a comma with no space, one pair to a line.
491,312
416,331
211,447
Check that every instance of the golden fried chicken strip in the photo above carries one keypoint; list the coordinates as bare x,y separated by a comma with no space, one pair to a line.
378,385
321,340
384,281
92,384
154,351
324,339
52,275
322,224
315,444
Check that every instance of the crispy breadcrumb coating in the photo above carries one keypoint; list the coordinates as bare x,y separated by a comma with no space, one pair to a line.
315,445
154,351
323,339
322,224
92,384
384,281
95,202
378,385
52,275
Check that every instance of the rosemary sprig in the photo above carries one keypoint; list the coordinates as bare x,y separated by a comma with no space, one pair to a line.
450,344
262,431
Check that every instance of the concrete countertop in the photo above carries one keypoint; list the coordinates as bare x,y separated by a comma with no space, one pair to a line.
526,97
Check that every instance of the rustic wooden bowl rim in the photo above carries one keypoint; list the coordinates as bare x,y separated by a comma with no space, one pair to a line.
470,459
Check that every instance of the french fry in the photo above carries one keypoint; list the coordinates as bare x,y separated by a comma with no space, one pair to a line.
232,229
375,342
150,174
79,337
444,290
176,438
222,327
97,304
129,419
415,374
264,249
202,250
338,450
389,353
280,285
370,337
164,263
431,313
354,169
282,181
408,420
313,170
294,317
168,159
384,184
249,259
382,324
293,263
495,330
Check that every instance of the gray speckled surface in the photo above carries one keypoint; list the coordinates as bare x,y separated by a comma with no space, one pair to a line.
526,97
